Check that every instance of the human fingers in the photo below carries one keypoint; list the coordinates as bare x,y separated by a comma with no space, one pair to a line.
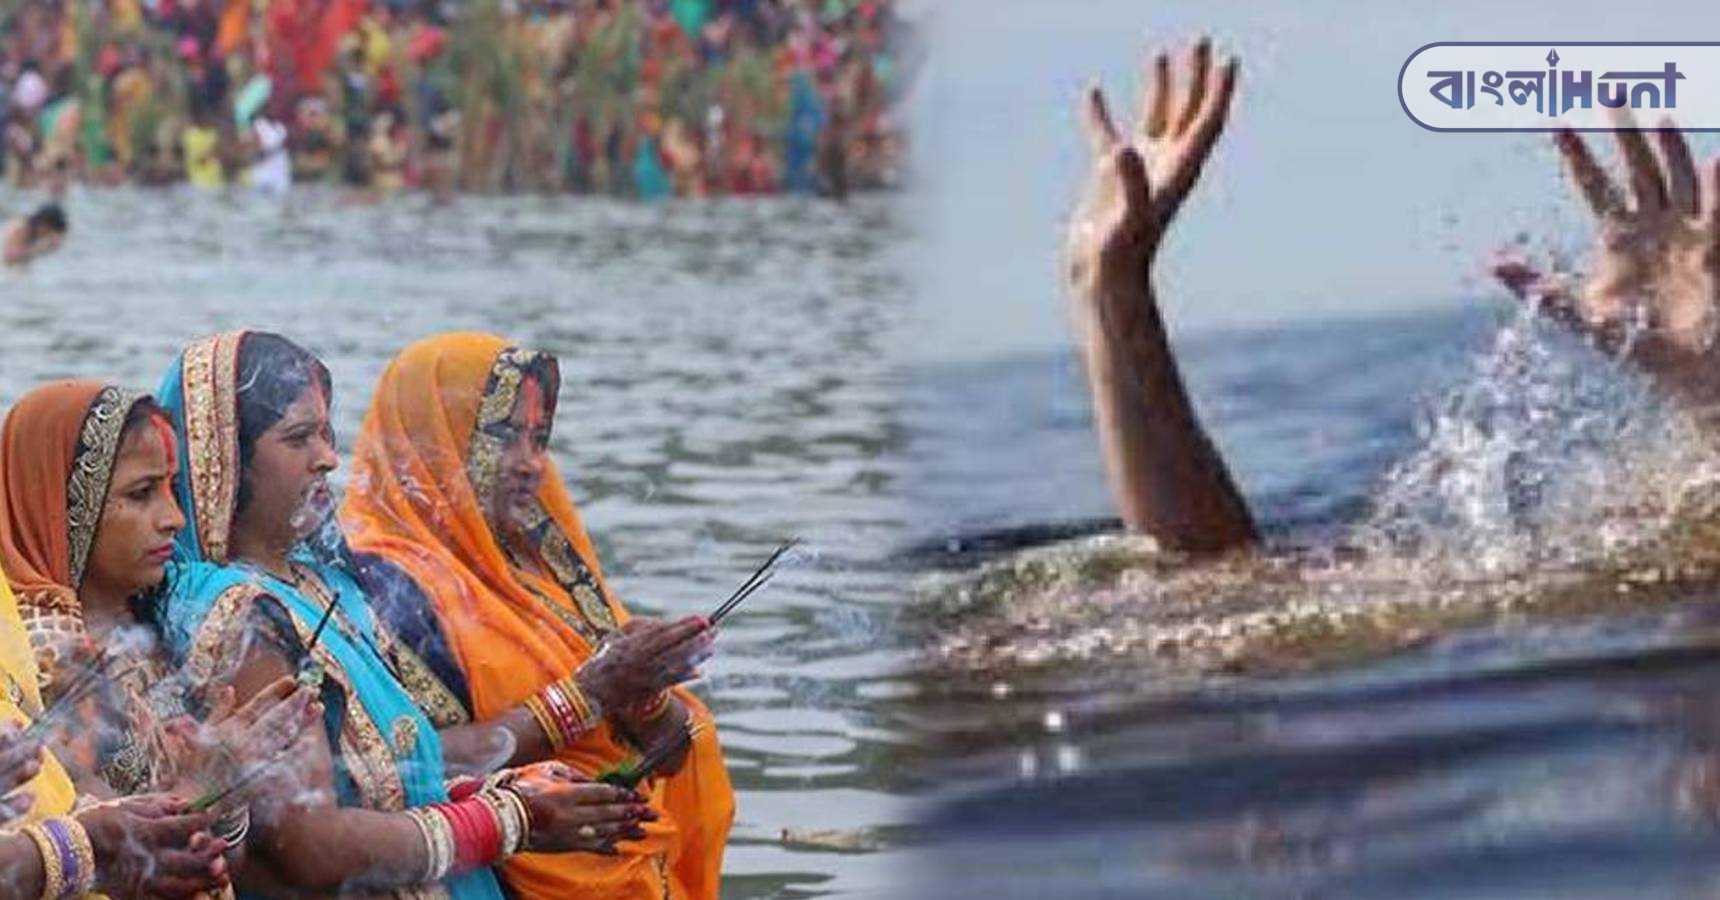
641,623
1207,129
1711,200
682,630
1199,69
1647,182
1096,117
222,707
1156,108
1681,187
1592,180
16,806
173,830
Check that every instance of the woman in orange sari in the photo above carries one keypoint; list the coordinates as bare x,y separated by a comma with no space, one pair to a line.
454,496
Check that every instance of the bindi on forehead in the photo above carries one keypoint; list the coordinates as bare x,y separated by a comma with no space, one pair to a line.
531,409
164,433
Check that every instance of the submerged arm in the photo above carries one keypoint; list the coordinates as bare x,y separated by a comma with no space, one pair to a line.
1167,478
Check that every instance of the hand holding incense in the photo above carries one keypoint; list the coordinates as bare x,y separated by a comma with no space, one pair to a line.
311,672
629,774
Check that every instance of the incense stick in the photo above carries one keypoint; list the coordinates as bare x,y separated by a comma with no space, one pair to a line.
630,777
755,581
216,795
316,635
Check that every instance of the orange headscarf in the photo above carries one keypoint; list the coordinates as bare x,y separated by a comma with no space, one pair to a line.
57,453
420,466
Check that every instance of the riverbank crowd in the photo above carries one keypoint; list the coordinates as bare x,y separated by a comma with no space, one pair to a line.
636,98
219,677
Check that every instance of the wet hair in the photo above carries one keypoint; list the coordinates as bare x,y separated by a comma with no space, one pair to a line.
273,374
48,217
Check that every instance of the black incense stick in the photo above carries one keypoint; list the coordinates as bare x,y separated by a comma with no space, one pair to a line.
755,581
316,635
631,776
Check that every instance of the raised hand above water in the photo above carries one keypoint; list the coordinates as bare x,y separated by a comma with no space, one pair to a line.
1654,292
1141,177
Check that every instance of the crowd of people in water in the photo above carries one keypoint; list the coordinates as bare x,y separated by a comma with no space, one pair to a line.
219,679
639,98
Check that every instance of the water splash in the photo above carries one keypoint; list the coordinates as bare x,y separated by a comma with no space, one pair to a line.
1549,481
1547,456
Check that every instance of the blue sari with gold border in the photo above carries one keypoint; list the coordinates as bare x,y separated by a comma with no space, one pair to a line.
388,755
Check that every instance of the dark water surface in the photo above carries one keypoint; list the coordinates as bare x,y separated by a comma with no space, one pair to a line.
727,383
1539,756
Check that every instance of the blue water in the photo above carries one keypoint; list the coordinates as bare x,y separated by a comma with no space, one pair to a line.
1574,756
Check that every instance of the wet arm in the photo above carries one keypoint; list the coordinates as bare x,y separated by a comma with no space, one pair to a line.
1166,476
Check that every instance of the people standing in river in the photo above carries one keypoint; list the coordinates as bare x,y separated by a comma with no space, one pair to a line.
1657,264
374,802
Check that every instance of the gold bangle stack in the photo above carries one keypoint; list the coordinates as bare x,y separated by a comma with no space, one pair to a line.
438,842
86,853
565,712
510,812
53,874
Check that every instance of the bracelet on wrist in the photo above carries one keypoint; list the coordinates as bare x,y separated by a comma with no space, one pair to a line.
233,826
68,857
565,712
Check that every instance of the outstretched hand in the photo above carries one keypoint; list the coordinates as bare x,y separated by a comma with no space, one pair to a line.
1141,178
1655,288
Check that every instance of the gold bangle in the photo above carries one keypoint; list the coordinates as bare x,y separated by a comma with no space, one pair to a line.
85,851
53,875
438,842
534,704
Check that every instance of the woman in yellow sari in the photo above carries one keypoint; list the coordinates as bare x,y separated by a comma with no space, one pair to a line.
454,494
21,701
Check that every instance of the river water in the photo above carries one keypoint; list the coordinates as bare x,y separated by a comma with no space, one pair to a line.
728,382
1492,696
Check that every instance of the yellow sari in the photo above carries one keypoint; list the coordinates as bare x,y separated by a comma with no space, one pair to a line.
20,700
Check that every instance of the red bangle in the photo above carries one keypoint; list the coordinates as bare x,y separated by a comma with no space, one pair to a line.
562,706
463,787
477,834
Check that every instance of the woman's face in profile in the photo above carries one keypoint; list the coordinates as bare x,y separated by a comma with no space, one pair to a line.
134,537
525,449
286,480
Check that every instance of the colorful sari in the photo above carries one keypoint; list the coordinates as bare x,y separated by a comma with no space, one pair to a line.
388,755
427,452
57,455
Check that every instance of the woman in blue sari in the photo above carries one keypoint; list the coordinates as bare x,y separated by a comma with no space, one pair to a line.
371,807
